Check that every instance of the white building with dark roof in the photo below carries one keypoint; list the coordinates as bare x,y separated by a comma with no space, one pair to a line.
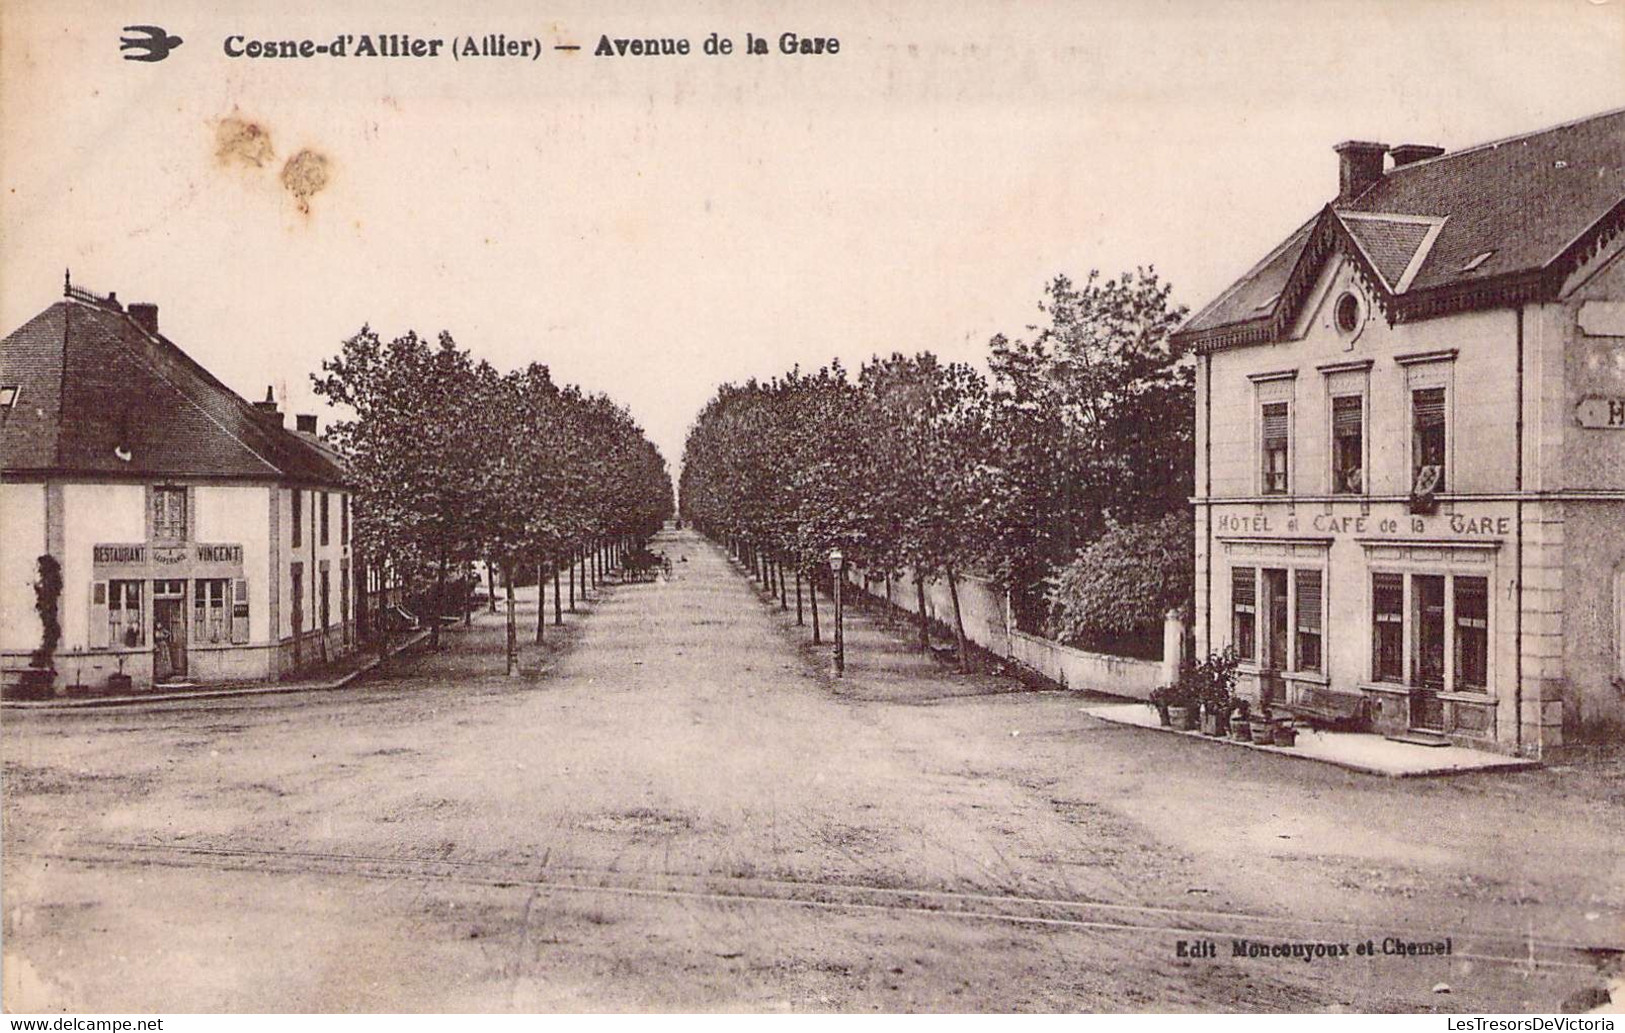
199,539
1411,447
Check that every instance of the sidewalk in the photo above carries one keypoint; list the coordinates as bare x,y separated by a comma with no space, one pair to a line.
346,673
1356,751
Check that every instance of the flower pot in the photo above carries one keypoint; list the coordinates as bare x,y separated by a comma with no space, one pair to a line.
1216,725
1183,718
1162,716
118,684
1286,735
1263,733
1241,730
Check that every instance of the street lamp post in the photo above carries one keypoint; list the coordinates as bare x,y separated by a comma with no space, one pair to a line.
836,562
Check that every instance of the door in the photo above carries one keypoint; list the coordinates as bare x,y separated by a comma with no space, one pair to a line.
1427,711
168,630
1274,660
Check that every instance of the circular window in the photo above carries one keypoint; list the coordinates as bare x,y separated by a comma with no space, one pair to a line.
1348,313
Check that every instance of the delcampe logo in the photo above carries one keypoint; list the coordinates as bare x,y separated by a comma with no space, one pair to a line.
148,43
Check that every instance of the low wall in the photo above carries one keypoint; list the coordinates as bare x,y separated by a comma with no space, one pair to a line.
986,612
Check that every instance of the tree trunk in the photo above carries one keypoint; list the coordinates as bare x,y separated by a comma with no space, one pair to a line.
439,602
812,597
541,600
784,600
558,601
572,584
959,623
468,604
798,597
491,584
513,626
925,624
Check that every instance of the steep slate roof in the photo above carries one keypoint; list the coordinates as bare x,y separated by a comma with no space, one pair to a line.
1533,203
94,384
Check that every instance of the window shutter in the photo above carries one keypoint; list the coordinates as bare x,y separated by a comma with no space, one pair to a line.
1275,424
1308,601
1243,589
1346,416
98,615
239,611
1428,406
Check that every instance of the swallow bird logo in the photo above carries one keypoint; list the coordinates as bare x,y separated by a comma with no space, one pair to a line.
147,43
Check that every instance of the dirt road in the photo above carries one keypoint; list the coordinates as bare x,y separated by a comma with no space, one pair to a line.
676,808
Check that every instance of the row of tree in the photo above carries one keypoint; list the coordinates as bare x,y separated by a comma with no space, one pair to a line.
452,461
1079,435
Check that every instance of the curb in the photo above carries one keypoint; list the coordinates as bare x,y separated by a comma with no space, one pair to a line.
112,702
1510,764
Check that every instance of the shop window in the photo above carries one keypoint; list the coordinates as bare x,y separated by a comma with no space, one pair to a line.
210,616
1348,445
1428,440
1276,440
169,514
1308,621
1244,610
322,518
298,517
125,627
1388,627
1472,634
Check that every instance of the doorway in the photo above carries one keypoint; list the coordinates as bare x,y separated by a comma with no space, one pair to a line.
1427,710
169,630
1274,661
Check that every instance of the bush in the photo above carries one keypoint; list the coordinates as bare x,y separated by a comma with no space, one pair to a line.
1125,581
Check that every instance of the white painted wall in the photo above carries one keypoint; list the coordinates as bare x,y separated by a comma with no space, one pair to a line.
91,514
241,516
22,541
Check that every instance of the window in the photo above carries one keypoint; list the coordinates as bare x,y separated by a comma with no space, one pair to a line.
210,617
1472,634
298,517
344,520
323,517
344,594
296,573
169,514
124,625
8,395
326,611
1308,621
1428,440
1348,445
1388,627
1275,442
1348,313
1244,607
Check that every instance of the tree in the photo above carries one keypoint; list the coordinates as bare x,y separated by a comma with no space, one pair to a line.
1122,584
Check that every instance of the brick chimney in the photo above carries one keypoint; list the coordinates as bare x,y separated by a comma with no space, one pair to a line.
145,315
267,409
305,423
1359,166
1408,153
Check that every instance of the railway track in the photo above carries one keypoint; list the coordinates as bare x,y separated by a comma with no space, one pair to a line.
1492,947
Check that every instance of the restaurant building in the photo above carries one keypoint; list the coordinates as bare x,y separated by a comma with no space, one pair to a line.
199,539
1410,480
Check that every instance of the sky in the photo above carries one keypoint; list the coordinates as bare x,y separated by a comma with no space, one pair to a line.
651,227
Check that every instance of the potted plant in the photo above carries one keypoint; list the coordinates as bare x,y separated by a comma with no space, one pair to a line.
78,688
1263,729
1184,707
1161,698
1286,733
1241,726
119,683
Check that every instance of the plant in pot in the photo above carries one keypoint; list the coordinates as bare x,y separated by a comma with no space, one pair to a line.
1161,698
39,680
1212,681
78,688
119,683
1184,706
1263,728
1241,725
1286,733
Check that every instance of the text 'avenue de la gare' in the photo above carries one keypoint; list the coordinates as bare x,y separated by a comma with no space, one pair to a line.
531,48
